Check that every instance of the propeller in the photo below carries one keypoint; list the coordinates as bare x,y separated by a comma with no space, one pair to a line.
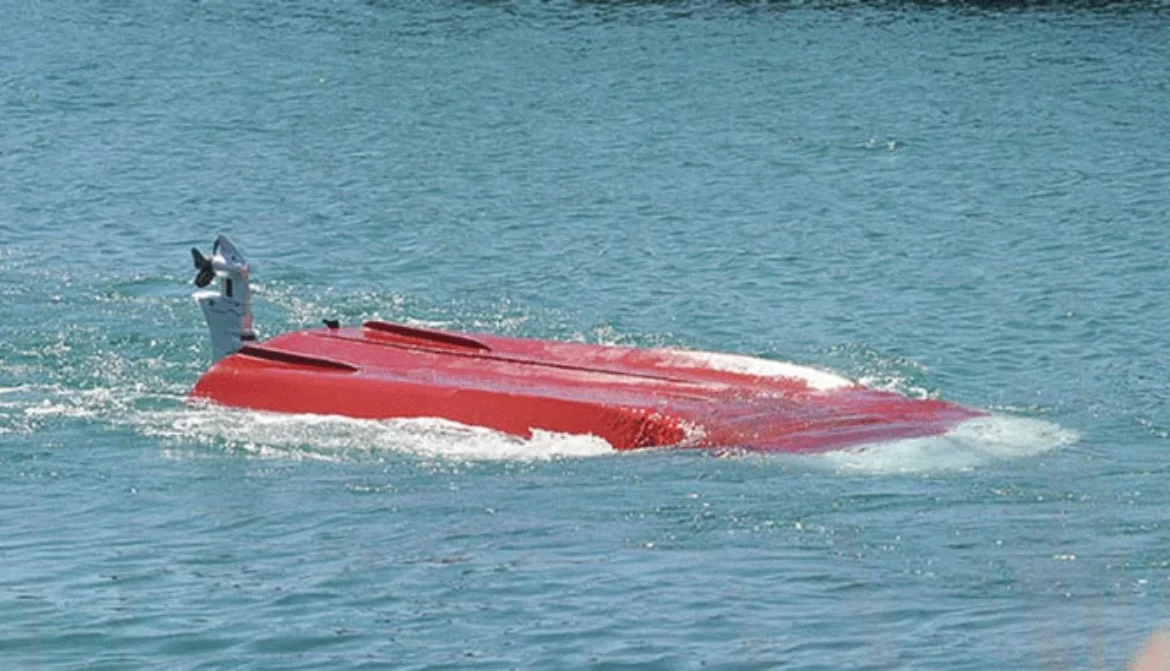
203,264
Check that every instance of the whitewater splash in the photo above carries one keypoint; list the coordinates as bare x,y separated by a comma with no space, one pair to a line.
199,430
973,443
190,430
750,365
335,438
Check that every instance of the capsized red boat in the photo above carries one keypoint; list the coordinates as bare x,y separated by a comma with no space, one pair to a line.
632,398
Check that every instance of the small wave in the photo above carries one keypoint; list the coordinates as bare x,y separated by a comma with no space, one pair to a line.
880,370
973,443
335,438
747,365
189,429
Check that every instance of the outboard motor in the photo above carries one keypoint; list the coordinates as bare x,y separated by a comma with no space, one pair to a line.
229,308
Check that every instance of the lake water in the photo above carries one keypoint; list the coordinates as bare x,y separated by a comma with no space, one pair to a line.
968,201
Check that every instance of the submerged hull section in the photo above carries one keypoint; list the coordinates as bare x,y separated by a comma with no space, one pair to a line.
632,398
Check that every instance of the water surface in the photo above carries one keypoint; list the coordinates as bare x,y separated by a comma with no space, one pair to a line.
965,201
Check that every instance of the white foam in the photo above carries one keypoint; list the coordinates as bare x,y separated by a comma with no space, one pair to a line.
47,408
748,365
334,438
189,429
968,445
896,384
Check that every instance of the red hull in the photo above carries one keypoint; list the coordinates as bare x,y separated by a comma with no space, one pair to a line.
632,398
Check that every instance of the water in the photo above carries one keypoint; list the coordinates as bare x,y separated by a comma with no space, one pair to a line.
962,200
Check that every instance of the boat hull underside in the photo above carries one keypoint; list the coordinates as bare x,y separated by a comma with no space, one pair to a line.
632,398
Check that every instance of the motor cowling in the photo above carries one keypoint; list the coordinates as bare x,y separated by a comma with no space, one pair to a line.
228,307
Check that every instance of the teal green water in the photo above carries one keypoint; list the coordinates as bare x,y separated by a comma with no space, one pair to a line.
967,201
